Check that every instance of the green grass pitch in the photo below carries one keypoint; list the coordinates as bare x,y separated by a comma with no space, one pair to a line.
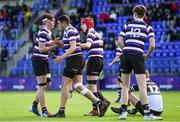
14,107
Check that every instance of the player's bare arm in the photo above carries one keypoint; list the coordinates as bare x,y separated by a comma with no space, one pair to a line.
43,48
86,45
69,51
151,48
120,42
116,59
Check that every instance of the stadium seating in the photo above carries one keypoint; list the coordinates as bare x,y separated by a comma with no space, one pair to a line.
12,45
162,62
165,60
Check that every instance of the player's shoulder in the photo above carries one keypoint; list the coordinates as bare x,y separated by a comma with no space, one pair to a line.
71,29
43,32
42,29
127,24
91,32
150,82
118,49
149,28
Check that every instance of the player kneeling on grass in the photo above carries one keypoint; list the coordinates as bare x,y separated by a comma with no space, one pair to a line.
154,99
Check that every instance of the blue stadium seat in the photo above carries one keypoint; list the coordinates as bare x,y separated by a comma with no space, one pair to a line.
165,53
108,54
172,53
157,53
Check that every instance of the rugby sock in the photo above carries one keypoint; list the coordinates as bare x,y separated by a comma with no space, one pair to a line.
61,110
35,104
119,91
97,103
44,109
95,106
146,109
100,96
124,108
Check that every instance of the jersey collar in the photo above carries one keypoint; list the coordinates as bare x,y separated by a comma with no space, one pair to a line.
139,19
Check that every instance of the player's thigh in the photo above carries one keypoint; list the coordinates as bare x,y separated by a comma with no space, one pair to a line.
74,66
70,69
126,79
41,79
94,66
141,80
138,64
126,66
39,67
77,79
66,81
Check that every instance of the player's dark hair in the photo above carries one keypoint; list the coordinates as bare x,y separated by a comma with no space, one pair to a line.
140,10
64,18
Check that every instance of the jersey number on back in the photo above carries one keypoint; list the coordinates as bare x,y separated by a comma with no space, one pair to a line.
153,89
135,32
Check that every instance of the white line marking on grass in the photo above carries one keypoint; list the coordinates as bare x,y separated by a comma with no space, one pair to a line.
178,106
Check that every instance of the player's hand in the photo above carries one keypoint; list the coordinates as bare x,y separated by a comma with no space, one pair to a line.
56,40
145,57
58,59
59,42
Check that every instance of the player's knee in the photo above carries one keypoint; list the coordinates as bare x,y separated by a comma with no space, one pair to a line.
93,82
65,84
80,88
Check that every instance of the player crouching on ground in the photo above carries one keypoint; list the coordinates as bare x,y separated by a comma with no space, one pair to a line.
154,99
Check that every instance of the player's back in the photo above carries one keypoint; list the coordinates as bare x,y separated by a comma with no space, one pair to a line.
135,34
154,96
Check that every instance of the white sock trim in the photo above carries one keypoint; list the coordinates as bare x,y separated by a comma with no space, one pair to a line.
84,91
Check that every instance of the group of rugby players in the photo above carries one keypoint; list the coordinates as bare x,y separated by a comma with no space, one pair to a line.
130,50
